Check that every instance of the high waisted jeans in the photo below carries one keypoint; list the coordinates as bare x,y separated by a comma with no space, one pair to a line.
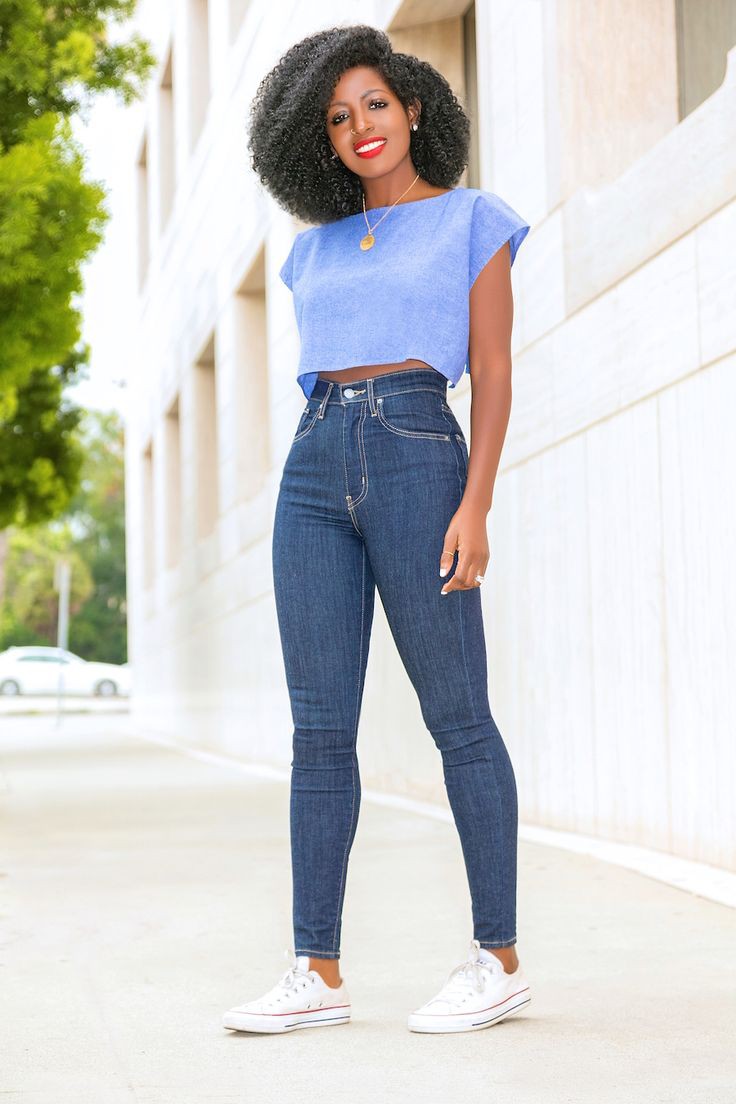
374,474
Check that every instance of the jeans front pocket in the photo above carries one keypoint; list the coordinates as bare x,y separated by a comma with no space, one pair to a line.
307,421
414,414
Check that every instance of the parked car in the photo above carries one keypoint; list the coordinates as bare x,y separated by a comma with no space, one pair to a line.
41,670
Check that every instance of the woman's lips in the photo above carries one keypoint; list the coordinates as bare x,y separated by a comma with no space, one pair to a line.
367,152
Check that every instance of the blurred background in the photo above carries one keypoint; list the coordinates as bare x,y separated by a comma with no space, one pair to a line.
148,400
611,599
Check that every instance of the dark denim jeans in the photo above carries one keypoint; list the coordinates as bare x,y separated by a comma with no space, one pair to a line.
374,474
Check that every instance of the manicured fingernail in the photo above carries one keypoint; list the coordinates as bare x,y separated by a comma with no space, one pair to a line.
444,592
443,571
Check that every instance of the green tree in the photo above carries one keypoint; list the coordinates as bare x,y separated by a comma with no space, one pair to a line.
98,630
30,612
91,534
54,58
40,456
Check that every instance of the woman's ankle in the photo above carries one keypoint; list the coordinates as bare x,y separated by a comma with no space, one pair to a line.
328,969
507,956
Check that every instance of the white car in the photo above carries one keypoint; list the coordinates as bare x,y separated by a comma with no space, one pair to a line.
41,670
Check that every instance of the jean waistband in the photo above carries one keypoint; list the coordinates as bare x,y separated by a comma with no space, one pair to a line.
387,383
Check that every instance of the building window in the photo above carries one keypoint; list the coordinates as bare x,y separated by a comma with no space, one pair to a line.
144,230
470,71
445,36
705,34
206,459
250,355
199,67
147,528
172,448
167,164
238,8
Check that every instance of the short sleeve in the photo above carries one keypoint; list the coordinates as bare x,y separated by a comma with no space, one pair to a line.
493,224
286,272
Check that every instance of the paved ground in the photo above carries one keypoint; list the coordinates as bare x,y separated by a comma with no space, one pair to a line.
70,703
144,891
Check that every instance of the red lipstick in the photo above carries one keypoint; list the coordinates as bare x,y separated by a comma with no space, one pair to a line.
359,147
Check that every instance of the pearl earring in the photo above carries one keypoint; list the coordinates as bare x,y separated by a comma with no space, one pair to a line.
414,126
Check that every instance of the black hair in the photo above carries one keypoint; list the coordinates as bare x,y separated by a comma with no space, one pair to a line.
288,142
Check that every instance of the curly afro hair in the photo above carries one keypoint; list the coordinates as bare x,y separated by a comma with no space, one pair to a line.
288,117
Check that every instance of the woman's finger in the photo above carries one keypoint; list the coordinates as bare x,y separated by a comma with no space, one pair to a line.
448,550
463,576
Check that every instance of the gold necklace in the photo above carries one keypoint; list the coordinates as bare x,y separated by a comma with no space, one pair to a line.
367,241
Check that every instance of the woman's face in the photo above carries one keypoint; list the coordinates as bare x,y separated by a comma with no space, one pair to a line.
364,110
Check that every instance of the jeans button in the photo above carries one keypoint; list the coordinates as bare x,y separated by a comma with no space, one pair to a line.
349,392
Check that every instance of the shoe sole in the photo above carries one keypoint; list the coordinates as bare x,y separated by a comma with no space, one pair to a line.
283,1021
469,1021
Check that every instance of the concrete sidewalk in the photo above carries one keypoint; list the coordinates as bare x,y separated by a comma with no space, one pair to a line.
144,892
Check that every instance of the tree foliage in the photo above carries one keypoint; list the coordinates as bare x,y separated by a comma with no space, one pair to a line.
51,220
40,456
91,535
30,612
54,58
97,511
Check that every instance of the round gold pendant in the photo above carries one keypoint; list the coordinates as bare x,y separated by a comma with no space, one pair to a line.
367,241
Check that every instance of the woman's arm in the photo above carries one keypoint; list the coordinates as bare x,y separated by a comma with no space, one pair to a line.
491,318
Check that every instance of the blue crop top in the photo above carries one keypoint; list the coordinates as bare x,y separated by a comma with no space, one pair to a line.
405,298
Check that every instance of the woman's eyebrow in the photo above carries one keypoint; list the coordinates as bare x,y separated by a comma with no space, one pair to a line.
363,95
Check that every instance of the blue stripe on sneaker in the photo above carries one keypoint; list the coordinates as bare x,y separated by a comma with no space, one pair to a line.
320,1019
505,1013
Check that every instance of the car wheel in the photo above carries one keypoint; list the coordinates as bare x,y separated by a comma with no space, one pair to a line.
106,688
10,687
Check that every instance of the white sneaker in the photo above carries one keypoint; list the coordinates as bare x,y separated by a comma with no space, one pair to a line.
477,993
300,999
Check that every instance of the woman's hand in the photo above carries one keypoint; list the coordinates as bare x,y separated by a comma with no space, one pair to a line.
466,533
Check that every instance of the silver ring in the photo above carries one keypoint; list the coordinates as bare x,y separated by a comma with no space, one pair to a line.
479,578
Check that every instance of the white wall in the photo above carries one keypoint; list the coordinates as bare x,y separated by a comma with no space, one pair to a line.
610,600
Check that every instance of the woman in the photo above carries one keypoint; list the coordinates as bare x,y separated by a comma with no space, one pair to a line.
402,283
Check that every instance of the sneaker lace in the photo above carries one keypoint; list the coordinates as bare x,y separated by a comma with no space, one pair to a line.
469,972
293,978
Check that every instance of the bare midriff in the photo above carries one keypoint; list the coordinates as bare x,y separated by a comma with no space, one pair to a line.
367,371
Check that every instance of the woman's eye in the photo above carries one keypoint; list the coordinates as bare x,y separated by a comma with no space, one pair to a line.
338,118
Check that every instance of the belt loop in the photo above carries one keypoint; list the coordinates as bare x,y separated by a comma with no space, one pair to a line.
330,384
371,400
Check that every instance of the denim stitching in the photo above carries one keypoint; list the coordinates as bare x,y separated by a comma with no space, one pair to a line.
344,461
354,761
309,951
371,399
504,943
408,390
304,432
460,594
323,404
352,518
461,435
402,391
498,801
406,432
345,469
363,461
457,465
